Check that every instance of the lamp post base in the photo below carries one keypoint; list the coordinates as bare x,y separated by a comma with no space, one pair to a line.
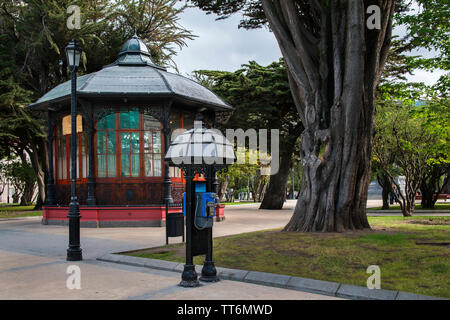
189,277
209,272
74,255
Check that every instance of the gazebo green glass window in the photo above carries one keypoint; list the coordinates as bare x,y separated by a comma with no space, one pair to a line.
129,142
106,146
129,118
152,146
129,148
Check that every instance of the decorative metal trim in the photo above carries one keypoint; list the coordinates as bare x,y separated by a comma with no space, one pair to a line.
102,112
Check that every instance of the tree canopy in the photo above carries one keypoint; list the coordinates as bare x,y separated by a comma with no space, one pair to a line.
262,100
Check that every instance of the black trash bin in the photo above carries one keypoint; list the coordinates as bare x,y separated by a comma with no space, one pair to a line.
174,224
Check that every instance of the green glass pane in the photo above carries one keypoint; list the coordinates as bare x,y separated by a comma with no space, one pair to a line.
124,119
111,142
101,124
134,142
156,142
135,165
111,165
125,162
125,142
101,166
101,142
110,121
134,118
148,165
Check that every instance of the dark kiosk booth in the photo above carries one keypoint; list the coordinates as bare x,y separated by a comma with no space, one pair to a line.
125,116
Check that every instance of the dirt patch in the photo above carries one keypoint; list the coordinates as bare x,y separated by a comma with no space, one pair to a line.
434,243
354,233
431,221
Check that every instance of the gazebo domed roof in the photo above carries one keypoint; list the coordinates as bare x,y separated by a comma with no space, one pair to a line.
134,45
134,74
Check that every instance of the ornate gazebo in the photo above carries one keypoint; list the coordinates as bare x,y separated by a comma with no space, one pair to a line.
126,113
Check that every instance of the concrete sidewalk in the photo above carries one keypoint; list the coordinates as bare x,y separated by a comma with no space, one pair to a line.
33,266
25,276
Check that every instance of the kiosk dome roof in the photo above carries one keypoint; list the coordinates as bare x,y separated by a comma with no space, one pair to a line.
134,74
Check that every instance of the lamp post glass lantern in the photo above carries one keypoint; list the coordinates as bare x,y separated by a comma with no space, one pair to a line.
199,151
74,252
73,54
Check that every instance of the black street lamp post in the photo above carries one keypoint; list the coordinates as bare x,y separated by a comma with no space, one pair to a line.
199,151
74,252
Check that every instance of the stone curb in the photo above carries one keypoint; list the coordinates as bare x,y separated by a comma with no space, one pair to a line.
275,280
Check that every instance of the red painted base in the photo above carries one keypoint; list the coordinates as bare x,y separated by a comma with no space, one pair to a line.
97,217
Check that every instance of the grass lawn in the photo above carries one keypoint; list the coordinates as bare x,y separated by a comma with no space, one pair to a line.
413,254
14,211
437,206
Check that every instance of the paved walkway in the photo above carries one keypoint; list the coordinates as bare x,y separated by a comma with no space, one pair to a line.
33,266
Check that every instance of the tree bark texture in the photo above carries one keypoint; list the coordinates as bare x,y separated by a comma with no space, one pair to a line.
431,186
223,185
275,193
334,63
386,186
36,154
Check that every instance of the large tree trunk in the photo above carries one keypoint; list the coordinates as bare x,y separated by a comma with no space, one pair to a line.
223,185
427,197
275,193
407,202
36,155
407,199
431,187
385,183
27,195
335,63
15,196
262,185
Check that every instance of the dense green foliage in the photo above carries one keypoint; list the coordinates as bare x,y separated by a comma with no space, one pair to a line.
262,100
413,136
22,177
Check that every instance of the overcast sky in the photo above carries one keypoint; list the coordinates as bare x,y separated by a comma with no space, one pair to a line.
220,45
